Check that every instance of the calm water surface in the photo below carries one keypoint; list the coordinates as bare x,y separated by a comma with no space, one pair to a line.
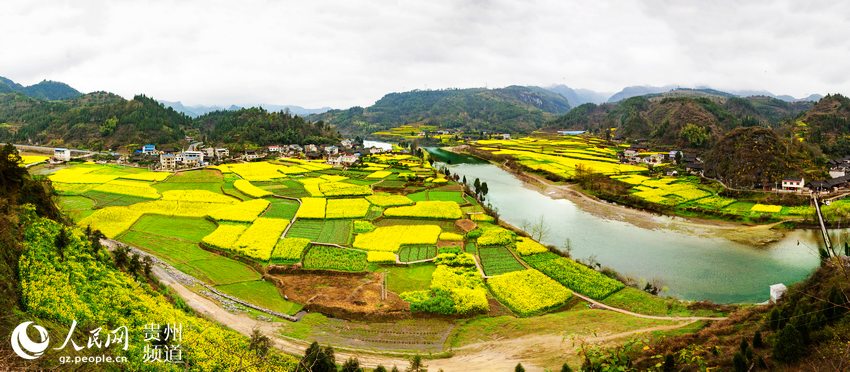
691,267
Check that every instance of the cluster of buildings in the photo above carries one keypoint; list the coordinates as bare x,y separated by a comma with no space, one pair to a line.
344,154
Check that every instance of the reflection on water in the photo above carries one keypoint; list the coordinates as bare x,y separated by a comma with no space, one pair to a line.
691,267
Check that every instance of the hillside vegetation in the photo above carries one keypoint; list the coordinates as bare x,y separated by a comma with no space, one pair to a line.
50,90
510,109
103,120
53,274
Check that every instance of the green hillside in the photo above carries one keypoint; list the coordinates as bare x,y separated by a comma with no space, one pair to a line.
510,109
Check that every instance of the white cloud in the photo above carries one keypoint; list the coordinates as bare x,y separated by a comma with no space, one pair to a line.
342,53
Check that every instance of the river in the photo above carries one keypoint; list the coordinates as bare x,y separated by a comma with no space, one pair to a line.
691,267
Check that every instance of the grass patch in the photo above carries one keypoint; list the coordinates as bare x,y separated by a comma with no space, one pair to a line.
261,293
185,228
105,199
322,231
410,278
281,208
640,302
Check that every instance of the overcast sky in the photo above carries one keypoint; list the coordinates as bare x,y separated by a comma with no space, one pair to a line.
351,52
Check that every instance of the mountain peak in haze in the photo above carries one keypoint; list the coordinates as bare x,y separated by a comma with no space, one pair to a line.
46,89
577,97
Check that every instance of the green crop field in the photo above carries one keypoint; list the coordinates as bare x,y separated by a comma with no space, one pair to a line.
498,260
322,231
105,199
186,228
281,208
262,293
332,258
418,252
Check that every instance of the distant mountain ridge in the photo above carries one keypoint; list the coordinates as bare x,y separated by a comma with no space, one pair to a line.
509,109
200,110
46,89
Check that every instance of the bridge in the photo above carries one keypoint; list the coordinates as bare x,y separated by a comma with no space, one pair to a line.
823,231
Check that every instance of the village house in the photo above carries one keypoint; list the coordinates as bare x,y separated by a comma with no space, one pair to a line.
62,154
652,158
331,150
149,149
167,160
250,155
342,160
793,184
311,148
192,159
275,148
346,143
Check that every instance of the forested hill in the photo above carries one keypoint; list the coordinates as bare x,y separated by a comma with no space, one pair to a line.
51,90
689,118
258,126
101,121
510,109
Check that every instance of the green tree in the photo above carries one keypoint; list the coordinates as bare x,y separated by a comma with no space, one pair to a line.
519,368
351,365
108,126
694,135
566,368
416,364
789,344
259,343
380,368
318,359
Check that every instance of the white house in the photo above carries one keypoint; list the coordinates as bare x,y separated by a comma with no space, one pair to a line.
168,160
777,291
62,154
311,148
342,160
331,150
250,155
793,184
192,158
275,148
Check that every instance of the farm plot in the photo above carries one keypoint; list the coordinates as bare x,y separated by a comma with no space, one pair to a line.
391,238
246,211
322,257
331,189
380,257
226,235
427,209
528,292
178,246
126,187
346,208
322,231
257,171
312,208
498,260
527,246
289,250
78,207
418,252
259,240
281,208
574,275
247,188
389,200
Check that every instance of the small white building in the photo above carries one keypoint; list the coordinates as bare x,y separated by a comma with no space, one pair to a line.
275,148
331,150
793,184
62,154
311,148
192,158
777,291
250,155
342,160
